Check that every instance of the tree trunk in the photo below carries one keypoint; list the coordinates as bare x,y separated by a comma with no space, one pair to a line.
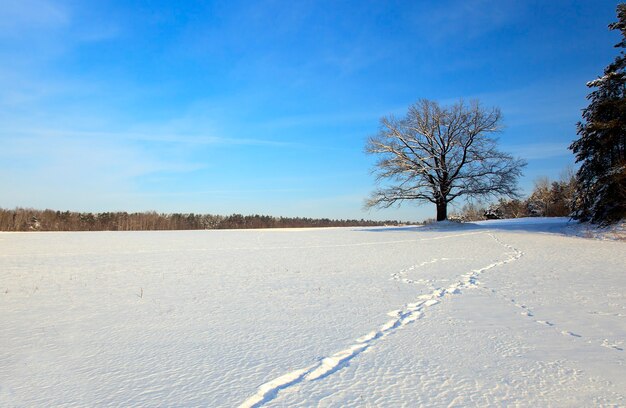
442,210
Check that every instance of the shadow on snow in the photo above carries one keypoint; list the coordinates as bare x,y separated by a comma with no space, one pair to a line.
555,225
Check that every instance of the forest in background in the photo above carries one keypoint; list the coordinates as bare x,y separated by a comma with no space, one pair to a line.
549,198
28,219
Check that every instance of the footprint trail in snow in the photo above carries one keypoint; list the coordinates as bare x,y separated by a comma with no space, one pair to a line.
527,312
400,318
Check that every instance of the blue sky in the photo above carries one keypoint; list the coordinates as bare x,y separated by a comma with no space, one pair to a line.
264,106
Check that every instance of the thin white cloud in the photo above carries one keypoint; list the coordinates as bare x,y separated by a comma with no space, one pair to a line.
326,118
19,16
538,103
464,20
92,34
539,151
219,192
174,138
89,173
85,158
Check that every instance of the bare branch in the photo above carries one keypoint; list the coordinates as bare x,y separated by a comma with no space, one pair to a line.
436,154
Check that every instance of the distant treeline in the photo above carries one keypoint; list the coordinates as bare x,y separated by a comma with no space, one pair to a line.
26,219
548,199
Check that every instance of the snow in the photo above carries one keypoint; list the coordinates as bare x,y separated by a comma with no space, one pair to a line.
506,312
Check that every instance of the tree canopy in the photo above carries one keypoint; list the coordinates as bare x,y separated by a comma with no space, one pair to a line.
601,147
439,153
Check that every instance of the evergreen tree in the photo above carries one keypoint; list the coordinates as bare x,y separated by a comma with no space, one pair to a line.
601,148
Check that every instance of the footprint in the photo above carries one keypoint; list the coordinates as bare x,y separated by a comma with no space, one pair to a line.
614,346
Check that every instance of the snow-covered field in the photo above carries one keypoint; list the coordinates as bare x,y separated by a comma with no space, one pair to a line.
496,313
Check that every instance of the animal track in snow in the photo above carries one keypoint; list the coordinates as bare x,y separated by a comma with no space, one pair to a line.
614,345
401,276
528,313
608,314
329,365
400,318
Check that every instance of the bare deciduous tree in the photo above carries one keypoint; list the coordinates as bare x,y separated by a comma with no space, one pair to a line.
438,153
